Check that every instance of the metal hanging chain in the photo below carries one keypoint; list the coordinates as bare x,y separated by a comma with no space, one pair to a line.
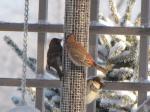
23,82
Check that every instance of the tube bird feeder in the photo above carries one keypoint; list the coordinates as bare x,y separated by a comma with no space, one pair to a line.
73,85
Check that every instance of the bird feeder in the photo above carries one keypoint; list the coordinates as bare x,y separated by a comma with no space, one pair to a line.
73,85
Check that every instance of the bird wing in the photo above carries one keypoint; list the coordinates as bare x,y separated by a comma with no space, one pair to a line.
79,55
76,56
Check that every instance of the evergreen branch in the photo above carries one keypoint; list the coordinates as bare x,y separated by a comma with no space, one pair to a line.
127,16
102,20
138,20
114,11
31,62
121,74
125,59
102,17
117,48
106,19
105,40
112,100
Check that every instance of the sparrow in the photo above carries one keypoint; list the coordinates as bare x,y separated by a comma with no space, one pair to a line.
94,85
79,55
54,56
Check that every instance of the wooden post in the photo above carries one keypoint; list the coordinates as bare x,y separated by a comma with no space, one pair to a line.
144,41
93,40
43,8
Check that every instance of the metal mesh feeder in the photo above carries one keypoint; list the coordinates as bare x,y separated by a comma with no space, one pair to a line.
77,17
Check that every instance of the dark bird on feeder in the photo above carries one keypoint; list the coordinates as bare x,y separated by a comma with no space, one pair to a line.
54,56
80,57
94,85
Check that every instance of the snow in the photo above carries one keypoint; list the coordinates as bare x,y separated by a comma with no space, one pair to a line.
10,63
24,108
117,49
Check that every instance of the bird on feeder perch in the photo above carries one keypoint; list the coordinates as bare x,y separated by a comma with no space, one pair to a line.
54,56
79,55
94,85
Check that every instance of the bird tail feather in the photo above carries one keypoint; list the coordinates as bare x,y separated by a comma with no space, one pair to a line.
102,69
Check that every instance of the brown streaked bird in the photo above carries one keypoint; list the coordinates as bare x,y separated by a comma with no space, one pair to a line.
80,57
54,56
94,85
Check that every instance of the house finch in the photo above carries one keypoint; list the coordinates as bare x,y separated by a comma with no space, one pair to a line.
54,56
79,56
94,84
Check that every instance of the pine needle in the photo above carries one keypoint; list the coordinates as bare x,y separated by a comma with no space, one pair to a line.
31,62
127,15
114,11
138,20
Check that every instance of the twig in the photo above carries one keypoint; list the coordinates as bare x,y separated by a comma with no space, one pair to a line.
31,62
127,16
138,20
114,11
